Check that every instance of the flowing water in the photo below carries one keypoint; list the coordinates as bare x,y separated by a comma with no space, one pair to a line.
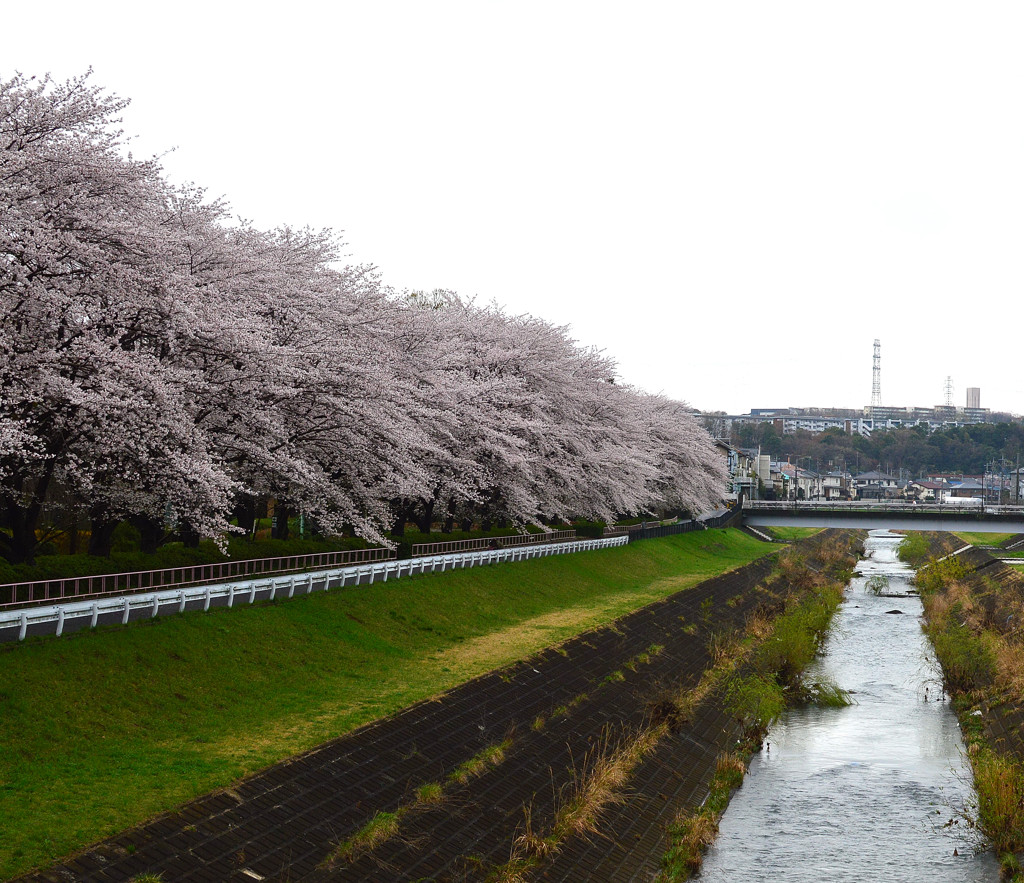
875,791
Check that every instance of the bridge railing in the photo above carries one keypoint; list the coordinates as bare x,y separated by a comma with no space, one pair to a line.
951,506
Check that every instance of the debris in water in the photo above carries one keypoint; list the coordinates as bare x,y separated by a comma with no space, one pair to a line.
894,611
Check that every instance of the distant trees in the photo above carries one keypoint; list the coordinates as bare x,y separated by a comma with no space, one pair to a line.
162,363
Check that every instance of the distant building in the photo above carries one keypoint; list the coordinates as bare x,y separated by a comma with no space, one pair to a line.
969,487
835,486
860,422
741,466
973,398
875,486
928,491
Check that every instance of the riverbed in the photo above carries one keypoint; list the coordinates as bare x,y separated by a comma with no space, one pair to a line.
876,791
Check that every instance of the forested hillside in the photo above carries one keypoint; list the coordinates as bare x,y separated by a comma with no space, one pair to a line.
966,449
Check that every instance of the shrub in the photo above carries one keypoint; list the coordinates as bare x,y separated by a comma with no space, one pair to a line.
591,529
1000,786
967,661
755,700
937,574
913,549
878,584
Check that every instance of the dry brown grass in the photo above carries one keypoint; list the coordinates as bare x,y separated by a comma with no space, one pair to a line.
1000,785
729,764
600,783
723,647
431,792
692,833
701,832
1009,657
759,625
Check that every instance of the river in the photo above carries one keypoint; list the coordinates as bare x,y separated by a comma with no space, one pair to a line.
875,791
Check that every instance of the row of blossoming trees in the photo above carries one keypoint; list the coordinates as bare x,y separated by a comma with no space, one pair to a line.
158,357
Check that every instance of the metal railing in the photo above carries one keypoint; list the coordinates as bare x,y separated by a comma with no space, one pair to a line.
48,590
950,505
519,539
107,609
658,530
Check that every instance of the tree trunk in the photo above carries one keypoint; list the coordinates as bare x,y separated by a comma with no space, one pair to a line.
102,529
279,530
426,517
24,520
189,535
73,533
23,533
245,512
151,532
449,523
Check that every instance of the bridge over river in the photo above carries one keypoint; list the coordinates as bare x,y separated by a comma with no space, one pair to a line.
894,515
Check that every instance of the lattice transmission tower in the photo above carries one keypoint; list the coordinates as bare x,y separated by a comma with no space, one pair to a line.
876,376
949,392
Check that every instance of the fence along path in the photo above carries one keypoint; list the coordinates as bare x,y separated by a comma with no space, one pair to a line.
521,539
19,618
17,624
49,590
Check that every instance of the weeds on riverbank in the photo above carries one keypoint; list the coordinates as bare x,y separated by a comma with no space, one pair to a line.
981,651
773,680
998,807
693,831
913,549
599,782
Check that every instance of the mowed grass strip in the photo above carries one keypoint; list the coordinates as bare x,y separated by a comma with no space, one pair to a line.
104,729
790,534
981,538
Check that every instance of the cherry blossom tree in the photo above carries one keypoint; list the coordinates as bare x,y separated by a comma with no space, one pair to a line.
85,298
161,358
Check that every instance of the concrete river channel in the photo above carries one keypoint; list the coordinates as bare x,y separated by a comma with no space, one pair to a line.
875,791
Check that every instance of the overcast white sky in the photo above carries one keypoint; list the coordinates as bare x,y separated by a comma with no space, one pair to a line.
732,199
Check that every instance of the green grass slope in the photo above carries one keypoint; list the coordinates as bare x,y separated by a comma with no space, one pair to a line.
104,729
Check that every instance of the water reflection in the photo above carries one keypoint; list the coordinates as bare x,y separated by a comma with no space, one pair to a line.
865,792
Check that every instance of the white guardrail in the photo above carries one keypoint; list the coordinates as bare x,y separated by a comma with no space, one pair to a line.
271,587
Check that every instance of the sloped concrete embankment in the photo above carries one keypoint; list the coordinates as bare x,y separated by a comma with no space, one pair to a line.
533,729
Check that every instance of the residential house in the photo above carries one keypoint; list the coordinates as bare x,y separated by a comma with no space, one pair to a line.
875,486
835,486
742,471
969,487
926,491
